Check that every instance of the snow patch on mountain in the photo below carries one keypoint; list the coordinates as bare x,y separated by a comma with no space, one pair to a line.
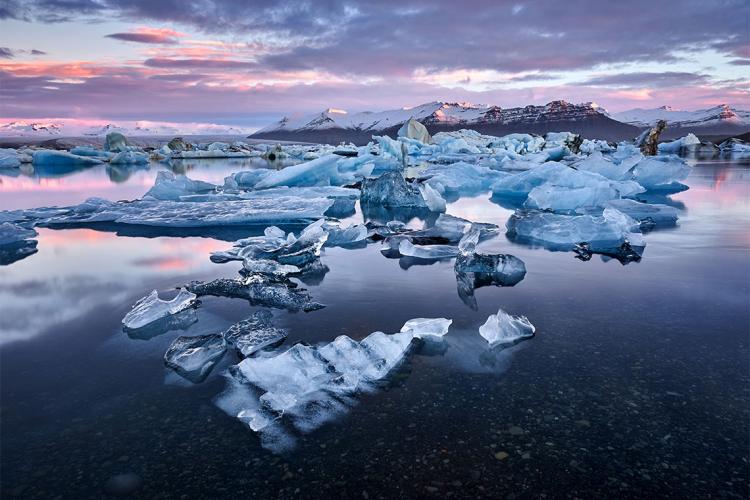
722,114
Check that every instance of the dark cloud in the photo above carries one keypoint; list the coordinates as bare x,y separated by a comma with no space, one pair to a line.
649,79
6,53
35,52
740,62
152,38
375,38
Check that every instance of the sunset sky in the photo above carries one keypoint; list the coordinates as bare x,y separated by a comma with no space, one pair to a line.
248,63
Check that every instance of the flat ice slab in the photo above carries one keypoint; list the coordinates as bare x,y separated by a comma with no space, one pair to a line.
151,308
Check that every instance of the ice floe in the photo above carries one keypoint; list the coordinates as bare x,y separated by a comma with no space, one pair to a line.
254,334
151,308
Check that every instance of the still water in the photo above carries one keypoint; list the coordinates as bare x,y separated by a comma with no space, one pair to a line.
637,383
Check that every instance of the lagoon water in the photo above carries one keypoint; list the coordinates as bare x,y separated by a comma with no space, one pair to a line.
637,383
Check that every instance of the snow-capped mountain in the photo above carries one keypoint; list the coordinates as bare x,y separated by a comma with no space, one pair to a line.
333,125
718,119
41,129
75,128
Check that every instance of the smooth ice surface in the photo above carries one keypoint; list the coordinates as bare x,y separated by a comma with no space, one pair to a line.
195,357
408,249
130,158
678,144
53,158
654,214
342,236
427,327
502,328
151,308
660,173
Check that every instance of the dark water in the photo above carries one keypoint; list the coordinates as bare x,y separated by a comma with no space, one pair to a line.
636,385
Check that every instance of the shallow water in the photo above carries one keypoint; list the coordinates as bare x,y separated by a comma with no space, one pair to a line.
636,384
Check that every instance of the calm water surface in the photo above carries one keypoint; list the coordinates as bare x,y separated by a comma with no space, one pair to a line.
637,383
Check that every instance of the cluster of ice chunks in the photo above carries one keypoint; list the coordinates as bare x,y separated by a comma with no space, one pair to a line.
307,385
12,158
503,329
151,308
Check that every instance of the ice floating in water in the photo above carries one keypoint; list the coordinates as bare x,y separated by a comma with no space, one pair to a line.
391,190
650,215
308,385
511,268
259,291
342,236
48,157
151,212
151,308
431,252
169,186
180,321
327,170
415,130
254,334
268,267
130,158
461,178
450,229
425,328
16,243
677,145
13,233
433,200
9,158
661,173
502,328
195,357
612,233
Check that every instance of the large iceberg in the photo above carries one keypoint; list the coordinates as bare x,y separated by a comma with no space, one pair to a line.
49,157
391,190
169,186
151,308
502,328
612,233
661,173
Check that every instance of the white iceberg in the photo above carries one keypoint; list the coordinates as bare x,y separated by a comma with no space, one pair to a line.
661,172
169,186
427,327
678,145
502,328
151,308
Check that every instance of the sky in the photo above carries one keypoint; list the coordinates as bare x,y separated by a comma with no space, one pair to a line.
248,63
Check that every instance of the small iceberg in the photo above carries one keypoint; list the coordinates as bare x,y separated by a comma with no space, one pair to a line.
427,328
254,334
151,308
502,328
194,357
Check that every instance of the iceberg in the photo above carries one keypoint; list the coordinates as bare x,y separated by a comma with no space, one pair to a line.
169,186
509,267
502,328
151,308
391,190
412,129
461,178
180,321
427,328
9,158
259,291
612,233
432,198
328,170
14,233
343,236
194,357
159,213
268,268
649,215
129,158
676,146
429,252
254,334
661,173
49,157
450,229
116,142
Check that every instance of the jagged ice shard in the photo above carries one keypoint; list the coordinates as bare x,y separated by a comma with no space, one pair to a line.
502,328
151,308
